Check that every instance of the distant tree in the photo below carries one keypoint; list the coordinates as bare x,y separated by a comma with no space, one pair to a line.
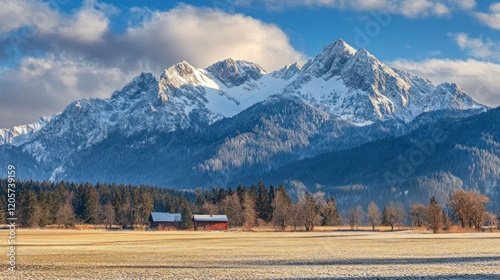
281,205
355,216
394,214
209,208
262,204
144,206
330,213
29,210
310,210
253,192
232,208
446,221
186,215
249,212
417,214
373,215
491,220
200,201
469,207
120,210
107,214
459,201
43,209
478,211
269,205
385,214
222,195
3,206
86,204
296,214
241,191
434,216
66,215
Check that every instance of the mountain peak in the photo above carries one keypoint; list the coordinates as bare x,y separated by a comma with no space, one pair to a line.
235,72
182,74
331,59
136,87
182,69
288,71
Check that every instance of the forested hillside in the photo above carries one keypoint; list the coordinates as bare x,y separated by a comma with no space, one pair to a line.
63,204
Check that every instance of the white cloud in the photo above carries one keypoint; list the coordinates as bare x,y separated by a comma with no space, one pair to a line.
465,4
18,13
407,8
44,86
477,78
88,24
477,47
203,36
91,61
491,19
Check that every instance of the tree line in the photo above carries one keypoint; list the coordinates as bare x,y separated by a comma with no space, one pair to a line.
65,204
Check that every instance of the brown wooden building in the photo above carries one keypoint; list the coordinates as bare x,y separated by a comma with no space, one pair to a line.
161,220
210,222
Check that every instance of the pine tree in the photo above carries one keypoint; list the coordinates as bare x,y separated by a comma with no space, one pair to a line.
269,204
186,215
29,210
330,213
262,202
241,191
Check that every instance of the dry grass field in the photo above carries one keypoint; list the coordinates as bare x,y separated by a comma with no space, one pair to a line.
88,254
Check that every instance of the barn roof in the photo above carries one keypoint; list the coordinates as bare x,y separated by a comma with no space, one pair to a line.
165,217
210,218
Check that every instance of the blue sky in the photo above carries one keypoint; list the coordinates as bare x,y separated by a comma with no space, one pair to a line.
57,51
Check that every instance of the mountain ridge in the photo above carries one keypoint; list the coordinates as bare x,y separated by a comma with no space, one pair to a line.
198,127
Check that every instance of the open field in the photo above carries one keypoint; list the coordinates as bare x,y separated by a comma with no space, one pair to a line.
87,254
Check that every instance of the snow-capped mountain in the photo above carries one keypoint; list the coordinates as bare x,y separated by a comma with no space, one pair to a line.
22,133
356,86
345,83
232,117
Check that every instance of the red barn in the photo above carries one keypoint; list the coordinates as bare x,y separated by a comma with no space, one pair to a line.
210,222
161,221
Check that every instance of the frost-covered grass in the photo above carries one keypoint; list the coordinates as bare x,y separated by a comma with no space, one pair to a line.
87,254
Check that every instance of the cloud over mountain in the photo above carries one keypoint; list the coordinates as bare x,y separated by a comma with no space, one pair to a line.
70,56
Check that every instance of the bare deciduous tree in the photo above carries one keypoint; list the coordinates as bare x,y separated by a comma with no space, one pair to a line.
330,213
394,214
107,214
373,215
469,207
355,216
478,211
232,208
297,216
310,210
434,216
491,220
249,212
417,214
66,215
281,214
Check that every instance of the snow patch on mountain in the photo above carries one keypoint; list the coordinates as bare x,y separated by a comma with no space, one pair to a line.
20,134
343,83
235,73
